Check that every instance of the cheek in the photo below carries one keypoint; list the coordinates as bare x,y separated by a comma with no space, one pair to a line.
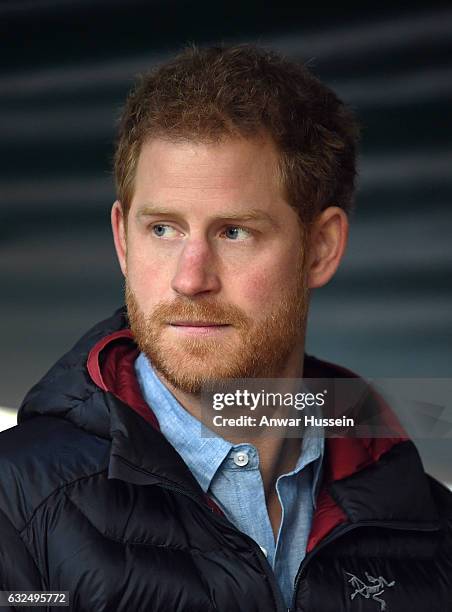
148,280
261,289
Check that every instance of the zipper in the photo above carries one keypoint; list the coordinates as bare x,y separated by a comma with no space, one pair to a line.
339,534
256,549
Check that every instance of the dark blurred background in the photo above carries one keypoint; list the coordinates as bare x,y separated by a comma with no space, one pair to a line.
66,67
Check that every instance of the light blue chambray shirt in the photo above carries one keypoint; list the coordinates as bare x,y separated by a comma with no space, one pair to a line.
238,489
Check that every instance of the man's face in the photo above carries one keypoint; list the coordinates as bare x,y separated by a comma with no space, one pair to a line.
215,282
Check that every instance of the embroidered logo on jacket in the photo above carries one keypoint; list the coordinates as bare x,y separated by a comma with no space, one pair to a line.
373,590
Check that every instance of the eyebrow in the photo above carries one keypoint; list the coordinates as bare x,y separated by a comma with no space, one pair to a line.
251,214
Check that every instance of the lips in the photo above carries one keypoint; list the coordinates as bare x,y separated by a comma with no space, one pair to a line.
197,324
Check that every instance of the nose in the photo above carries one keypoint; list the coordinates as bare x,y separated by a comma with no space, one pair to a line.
195,272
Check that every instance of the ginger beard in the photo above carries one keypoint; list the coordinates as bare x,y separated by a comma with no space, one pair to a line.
248,349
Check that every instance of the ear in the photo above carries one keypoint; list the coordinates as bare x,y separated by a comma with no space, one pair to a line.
119,235
328,239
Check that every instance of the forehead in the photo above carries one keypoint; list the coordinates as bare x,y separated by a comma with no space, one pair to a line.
232,171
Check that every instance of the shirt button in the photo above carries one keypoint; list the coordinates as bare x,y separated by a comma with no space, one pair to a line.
241,458
264,550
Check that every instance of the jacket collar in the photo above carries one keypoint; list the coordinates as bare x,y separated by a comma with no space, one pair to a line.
139,452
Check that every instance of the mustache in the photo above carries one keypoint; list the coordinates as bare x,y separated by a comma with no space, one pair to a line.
209,311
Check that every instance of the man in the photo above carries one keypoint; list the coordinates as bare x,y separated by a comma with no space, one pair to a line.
235,173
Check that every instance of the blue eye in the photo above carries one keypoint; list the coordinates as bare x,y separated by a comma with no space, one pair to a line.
236,233
163,231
